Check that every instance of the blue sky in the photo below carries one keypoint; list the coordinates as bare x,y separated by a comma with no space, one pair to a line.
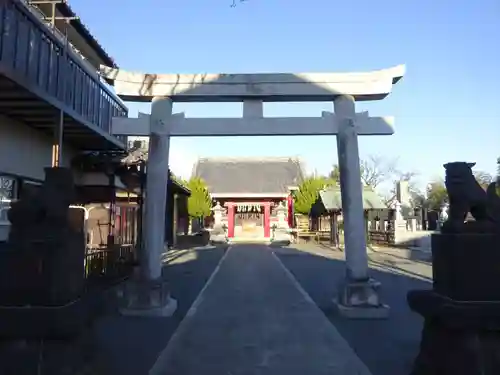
447,106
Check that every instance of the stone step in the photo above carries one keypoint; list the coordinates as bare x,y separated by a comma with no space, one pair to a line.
249,240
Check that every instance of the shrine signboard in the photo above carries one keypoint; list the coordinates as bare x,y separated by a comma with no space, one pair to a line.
8,193
248,207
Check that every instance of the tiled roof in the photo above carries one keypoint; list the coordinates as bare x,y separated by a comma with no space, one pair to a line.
83,30
138,153
331,199
65,10
249,175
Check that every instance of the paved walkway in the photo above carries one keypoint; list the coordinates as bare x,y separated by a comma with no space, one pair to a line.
388,346
254,318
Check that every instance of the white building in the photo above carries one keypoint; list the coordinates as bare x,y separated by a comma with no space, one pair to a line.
53,103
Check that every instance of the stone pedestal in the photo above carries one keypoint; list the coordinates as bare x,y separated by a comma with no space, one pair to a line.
147,298
280,237
218,234
458,338
359,299
466,267
400,232
461,334
412,224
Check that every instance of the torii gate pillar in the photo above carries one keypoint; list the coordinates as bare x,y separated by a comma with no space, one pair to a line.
358,296
152,295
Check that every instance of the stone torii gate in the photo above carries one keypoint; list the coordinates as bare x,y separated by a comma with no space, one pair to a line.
358,295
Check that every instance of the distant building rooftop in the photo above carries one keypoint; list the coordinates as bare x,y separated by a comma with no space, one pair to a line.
332,199
264,175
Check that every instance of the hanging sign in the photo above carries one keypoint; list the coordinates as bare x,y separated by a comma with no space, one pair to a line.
248,207
7,188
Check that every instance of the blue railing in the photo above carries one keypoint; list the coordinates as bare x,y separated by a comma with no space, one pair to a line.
36,57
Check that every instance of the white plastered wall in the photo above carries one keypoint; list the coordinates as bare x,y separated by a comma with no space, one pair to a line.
25,152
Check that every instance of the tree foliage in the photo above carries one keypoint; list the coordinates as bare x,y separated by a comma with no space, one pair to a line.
335,173
436,195
199,203
308,193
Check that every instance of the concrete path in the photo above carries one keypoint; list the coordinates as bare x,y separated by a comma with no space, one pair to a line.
254,318
389,346
130,345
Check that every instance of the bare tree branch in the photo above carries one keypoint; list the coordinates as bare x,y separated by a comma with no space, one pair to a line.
483,178
377,169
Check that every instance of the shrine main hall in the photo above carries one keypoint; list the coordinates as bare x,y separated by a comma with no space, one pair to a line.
251,189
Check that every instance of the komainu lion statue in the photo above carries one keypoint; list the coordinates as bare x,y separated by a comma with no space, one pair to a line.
466,195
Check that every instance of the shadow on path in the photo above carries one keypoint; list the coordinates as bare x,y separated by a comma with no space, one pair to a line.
387,347
131,345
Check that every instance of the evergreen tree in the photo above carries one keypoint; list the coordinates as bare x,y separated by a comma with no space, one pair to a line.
199,203
436,195
308,193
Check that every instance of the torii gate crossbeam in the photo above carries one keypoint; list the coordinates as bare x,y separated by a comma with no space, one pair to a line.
327,124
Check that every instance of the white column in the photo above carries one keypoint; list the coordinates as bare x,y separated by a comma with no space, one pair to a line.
351,189
156,188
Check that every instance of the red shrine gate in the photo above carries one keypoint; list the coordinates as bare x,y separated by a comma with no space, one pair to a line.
250,188
249,219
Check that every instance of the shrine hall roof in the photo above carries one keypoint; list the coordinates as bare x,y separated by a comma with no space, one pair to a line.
332,199
249,175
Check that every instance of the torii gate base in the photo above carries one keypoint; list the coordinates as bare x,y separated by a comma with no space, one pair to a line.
358,295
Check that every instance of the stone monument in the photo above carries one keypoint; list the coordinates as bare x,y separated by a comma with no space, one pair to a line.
399,223
45,306
462,311
403,193
46,245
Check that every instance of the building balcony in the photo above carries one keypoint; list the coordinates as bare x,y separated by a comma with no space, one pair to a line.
42,77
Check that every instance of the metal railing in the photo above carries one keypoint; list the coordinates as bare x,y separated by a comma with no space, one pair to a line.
109,265
30,50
